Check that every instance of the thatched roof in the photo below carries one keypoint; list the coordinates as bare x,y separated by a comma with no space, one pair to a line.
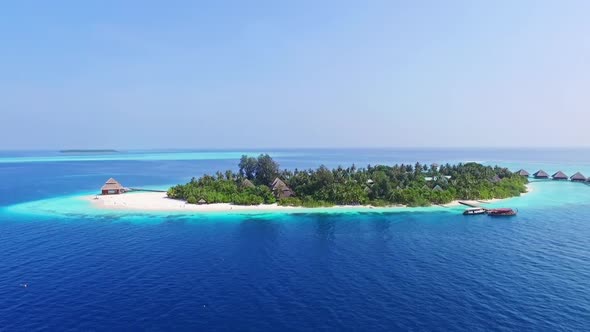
522,172
578,177
495,179
437,188
277,183
247,184
280,189
112,184
559,175
541,174
202,201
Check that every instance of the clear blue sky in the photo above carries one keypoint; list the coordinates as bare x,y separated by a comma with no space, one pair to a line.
256,74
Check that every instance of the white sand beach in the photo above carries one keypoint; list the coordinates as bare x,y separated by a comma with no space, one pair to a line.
155,201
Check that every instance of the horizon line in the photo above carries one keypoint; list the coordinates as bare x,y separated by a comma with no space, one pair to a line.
270,149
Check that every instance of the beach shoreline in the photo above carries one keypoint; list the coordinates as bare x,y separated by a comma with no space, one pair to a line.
159,202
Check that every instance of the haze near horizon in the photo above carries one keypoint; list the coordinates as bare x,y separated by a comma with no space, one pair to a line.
264,74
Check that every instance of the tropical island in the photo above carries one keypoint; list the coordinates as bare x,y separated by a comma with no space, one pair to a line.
261,181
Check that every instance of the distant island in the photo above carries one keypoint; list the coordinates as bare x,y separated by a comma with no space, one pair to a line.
89,151
260,181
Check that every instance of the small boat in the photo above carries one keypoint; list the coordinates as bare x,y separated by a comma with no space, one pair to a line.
502,212
474,211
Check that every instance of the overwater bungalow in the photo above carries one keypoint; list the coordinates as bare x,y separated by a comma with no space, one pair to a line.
280,189
524,173
541,174
112,187
559,176
578,177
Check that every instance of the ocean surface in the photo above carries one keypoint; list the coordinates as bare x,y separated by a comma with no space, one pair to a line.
66,266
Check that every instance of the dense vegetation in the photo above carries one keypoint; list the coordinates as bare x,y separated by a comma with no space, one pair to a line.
412,185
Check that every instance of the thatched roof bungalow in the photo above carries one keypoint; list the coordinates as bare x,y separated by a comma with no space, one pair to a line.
112,187
495,179
559,176
437,188
524,173
280,189
247,184
541,174
578,177
202,201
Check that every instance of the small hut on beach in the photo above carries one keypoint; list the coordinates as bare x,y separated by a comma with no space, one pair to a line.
541,174
578,177
559,176
524,173
280,189
112,187
202,201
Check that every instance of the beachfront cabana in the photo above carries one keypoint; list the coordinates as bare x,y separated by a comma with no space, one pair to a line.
247,184
578,177
280,189
202,201
524,173
559,176
541,174
112,187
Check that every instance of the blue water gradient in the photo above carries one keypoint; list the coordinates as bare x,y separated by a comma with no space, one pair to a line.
424,269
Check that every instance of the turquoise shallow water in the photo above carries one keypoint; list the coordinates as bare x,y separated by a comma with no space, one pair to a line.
419,269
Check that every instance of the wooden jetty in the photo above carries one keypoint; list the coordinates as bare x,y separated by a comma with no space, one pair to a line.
470,204
147,190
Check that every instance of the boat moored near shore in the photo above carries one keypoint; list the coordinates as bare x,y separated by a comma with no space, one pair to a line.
474,211
503,212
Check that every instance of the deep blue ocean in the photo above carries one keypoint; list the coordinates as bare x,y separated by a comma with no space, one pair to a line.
420,271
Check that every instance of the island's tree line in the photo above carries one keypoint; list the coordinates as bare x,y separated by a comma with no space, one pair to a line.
381,185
